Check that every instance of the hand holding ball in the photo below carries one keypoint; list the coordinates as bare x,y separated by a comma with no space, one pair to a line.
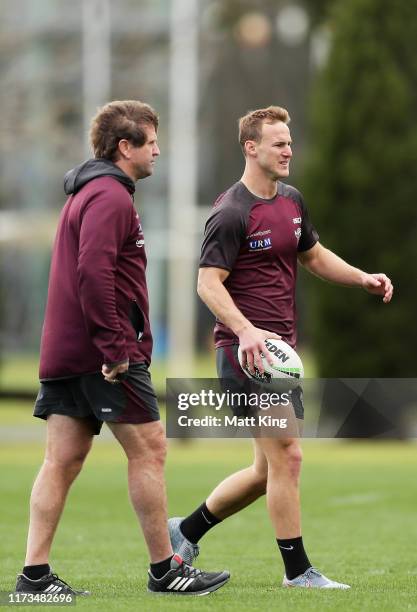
286,364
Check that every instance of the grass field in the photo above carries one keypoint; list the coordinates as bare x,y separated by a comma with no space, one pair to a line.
20,371
359,524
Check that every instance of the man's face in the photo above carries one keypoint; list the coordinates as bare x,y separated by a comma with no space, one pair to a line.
273,152
142,159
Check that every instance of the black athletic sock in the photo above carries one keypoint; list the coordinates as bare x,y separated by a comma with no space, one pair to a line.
34,572
158,570
198,523
294,556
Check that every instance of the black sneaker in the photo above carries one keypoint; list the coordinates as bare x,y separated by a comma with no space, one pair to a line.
183,579
50,583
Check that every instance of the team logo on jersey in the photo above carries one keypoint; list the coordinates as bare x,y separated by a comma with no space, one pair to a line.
260,245
296,220
259,233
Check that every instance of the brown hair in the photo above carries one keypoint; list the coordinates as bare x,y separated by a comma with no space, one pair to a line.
120,120
250,126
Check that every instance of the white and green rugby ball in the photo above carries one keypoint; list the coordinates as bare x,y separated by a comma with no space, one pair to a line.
286,363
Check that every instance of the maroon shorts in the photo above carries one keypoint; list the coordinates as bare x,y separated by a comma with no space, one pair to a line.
133,400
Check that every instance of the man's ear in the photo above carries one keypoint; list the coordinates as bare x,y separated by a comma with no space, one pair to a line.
250,148
124,148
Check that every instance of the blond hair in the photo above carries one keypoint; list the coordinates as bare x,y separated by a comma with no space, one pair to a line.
250,126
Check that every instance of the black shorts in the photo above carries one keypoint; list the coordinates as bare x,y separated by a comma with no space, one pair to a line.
229,370
133,400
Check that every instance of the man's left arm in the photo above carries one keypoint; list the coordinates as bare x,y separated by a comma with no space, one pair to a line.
327,265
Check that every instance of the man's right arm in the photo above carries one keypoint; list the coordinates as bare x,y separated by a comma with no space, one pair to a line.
214,294
105,225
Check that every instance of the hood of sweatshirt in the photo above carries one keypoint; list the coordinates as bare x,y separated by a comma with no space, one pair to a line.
91,169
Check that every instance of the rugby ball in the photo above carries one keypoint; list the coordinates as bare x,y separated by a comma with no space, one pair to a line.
287,365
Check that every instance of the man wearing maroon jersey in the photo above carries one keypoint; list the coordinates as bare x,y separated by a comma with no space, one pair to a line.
96,350
257,232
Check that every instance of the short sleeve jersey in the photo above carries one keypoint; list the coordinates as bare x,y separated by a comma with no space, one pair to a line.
257,240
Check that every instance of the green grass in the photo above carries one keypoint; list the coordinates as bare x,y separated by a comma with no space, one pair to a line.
360,525
21,371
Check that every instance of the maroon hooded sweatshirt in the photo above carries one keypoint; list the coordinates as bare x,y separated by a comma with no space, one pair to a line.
97,309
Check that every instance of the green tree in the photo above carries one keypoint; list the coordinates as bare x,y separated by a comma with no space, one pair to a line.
361,185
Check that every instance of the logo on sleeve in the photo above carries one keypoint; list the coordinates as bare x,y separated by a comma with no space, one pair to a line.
140,242
297,232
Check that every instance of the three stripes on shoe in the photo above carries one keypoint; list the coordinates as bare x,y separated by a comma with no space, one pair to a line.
180,584
53,588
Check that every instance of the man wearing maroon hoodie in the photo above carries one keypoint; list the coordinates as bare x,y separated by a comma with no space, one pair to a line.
96,350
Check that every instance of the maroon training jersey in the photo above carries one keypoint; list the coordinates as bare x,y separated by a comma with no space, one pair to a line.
257,240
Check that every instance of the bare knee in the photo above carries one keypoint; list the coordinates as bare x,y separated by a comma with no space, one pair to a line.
66,465
157,450
293,456
69,441
288,458
152,449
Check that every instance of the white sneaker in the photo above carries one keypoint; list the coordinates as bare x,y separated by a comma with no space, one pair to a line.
312,579
180,545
